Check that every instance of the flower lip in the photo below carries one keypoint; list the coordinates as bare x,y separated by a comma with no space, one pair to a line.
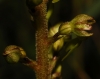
87,24
86,29
89,27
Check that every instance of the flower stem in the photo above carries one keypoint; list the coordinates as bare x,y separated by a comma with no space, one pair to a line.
42,41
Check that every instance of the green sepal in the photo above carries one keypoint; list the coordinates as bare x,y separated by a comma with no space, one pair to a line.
13,58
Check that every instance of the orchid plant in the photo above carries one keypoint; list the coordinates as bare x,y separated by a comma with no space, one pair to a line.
50,43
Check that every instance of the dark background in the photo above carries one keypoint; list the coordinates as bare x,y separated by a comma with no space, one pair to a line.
16,29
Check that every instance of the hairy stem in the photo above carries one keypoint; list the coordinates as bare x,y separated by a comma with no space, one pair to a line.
42,41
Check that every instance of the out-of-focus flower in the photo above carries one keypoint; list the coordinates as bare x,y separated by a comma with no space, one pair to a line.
54,1
57,73
58,44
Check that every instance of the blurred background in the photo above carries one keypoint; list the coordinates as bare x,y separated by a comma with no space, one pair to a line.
16,29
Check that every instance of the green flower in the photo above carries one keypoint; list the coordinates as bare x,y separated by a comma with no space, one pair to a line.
80,26
54,1
14,53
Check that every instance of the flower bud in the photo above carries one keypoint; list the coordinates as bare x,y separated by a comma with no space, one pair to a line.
13,57
58,44
57,73
54,1
53,30
65,28
14,53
